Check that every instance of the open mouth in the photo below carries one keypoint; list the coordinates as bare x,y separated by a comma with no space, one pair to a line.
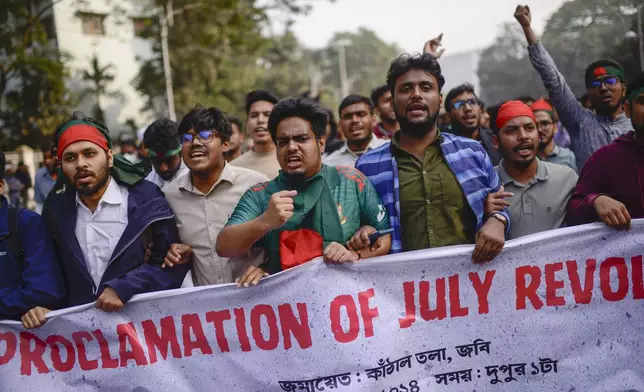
417,109
293,161
197,154
606,98
525,150
84,178
261,130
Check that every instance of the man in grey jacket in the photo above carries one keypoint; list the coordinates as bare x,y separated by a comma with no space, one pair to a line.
605,84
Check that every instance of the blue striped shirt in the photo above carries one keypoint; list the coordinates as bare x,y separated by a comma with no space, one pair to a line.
466,158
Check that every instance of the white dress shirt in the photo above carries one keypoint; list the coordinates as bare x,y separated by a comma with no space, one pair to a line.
345,157
154,177
98,233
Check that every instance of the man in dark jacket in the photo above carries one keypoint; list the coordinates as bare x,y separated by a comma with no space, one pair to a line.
103,218
33,278
611,186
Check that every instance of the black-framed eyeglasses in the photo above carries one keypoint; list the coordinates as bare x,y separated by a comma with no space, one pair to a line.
203,136
459,104
545,124
597,83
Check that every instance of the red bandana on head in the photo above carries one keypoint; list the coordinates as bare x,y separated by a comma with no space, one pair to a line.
541,105
600,71
512,109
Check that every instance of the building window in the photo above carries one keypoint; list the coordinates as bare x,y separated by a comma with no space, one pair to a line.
92,23
142,27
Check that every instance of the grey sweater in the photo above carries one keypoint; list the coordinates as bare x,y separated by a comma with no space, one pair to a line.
588,131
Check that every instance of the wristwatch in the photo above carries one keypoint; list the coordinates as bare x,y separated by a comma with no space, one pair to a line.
500,217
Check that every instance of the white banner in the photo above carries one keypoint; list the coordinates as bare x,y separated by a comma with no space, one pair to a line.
557,311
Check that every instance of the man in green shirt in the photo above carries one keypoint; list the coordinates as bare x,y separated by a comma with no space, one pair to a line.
310,209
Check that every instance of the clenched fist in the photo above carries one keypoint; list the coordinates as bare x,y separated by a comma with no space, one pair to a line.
109,301
177,254
523,15
612,212
280,209
434,46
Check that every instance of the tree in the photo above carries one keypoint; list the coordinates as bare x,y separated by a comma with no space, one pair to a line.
98,79
504,69
32,74
576,34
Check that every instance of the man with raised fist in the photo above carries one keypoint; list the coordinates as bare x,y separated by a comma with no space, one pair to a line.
310,209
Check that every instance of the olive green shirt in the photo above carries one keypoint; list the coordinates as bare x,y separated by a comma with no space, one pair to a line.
433,209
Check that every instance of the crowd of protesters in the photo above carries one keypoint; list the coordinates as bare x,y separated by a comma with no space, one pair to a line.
198,210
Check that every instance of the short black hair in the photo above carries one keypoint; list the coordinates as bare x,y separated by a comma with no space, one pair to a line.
333,124
455,92
493,111
259,95
303,108
590,76
636,83
234,120
377,93
406,62
525,99
352,100
162,135
3,163
206,119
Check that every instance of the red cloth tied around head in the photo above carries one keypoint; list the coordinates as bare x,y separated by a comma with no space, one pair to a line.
542,105
512,109
81,132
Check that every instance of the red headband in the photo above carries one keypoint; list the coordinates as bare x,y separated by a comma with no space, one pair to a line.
512,109
81,132
542,105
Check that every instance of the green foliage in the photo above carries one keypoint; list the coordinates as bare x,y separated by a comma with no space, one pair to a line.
578,33
98,79
32,74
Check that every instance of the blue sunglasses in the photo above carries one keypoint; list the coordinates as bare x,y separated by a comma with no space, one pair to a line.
459,104
607,82
203,136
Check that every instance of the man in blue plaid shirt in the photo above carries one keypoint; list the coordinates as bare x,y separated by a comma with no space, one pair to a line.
433,184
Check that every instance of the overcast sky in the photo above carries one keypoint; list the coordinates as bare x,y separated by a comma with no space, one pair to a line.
466,24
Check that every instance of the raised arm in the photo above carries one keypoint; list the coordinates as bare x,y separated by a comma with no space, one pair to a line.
564,100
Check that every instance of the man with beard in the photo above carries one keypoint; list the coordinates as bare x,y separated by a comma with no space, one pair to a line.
356,124
465,111
310,209
103,217
46,177
434,184
161,140
388,125
611,187
236,140
536,192
204,198
605,84
261,157
548,150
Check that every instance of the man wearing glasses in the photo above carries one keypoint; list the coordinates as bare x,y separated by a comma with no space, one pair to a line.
548,150
204,198
605,84
465,112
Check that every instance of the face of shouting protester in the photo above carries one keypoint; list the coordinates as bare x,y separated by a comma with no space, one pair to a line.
298,151
203,151
518,141
356,122
257,124
546,128
605,94
465,113
87,166
417,102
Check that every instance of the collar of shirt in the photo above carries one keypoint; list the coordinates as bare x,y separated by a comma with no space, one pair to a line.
555,152
374,143
112,195
395,141
542,175
227,174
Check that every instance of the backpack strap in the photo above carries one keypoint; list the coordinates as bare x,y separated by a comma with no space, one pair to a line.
13,239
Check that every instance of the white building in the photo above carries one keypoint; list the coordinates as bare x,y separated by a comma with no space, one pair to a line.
109,30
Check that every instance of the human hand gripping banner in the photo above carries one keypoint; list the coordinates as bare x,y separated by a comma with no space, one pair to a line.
556,311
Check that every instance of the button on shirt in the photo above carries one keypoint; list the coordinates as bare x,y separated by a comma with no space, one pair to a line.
200,217
540,204
345,157
433,209
99,232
